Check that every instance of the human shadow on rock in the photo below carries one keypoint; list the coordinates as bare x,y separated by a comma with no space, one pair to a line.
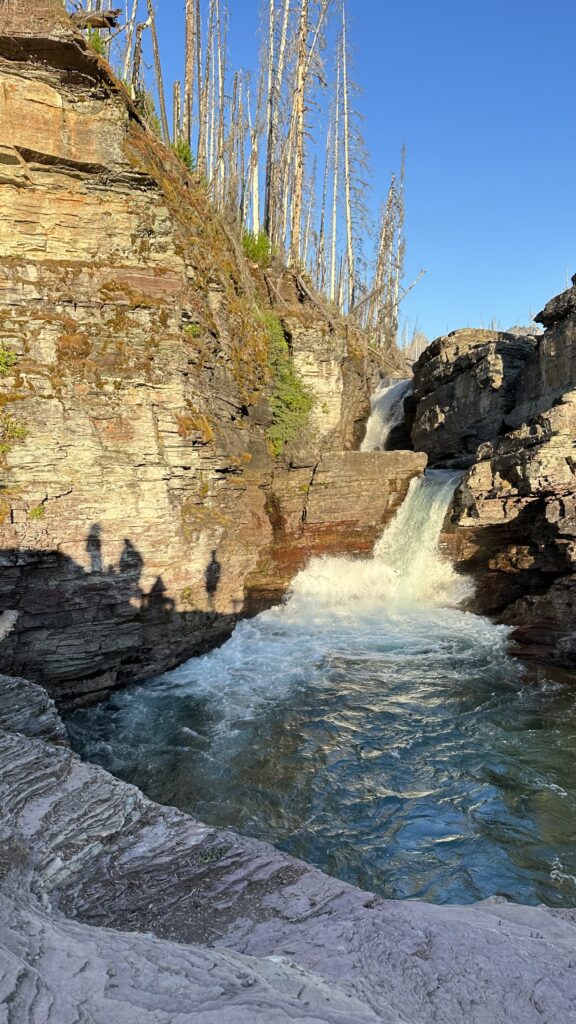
81,632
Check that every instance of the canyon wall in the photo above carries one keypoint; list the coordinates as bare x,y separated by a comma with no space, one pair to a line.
504,407
118,909
143,505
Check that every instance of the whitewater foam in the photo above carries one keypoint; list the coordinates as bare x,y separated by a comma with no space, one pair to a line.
408,568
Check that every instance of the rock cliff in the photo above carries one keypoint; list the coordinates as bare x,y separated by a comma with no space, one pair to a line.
505,407
115,909
143,506
464,387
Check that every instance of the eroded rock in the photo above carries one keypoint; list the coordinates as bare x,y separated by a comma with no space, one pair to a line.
118,909
139,488
464,386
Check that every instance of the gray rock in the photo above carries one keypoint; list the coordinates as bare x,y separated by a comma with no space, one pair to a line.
113,908
464,385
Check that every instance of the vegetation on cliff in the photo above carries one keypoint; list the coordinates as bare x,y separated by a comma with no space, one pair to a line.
282,157
290,401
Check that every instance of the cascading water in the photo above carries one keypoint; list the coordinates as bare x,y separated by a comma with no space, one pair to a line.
387,413
368,726
407,568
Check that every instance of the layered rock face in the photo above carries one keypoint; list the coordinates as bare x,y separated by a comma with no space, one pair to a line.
514,523
464,386
139,491
115,909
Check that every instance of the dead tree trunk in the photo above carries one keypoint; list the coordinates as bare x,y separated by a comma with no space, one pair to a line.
158,72
189,63
335,187
299,101
347,166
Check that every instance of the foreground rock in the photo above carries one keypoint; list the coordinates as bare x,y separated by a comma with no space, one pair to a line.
113,908
140,493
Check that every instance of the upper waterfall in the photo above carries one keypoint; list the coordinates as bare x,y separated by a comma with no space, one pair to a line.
387,412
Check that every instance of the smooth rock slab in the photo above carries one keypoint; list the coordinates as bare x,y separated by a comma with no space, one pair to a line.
115,909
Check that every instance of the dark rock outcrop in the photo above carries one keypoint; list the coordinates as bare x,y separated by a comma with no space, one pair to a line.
514,522
463,389
115,909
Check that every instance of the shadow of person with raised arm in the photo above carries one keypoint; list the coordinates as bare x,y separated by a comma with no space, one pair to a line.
212,576
94,547
83,629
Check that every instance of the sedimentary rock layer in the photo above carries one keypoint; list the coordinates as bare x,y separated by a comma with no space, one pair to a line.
139,489
113,908
464,386
505,406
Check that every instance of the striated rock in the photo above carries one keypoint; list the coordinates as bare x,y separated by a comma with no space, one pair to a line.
551,369
114,908
342,503
138,485
516,530
463,388
27,708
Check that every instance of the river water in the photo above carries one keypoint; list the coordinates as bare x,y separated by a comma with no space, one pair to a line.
369,727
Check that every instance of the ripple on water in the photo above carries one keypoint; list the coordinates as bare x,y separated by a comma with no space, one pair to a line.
402,752
369,730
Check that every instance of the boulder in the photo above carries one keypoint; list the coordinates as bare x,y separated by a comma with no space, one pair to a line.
463,388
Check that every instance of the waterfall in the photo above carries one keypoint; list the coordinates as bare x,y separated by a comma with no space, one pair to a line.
407,569
387,412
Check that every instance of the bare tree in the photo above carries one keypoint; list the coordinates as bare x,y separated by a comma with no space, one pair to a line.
299,100
158,71
335,185
176,113
190,29
347,166
204,105
129,38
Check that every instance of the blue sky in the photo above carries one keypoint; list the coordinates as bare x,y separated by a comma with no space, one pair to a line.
484,96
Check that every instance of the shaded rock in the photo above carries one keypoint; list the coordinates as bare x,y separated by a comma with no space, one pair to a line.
559,308
463,388
551,369
27,708
515,517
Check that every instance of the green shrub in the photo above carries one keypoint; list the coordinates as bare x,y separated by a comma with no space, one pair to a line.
10,431
193,330
7,360
144,102
257,248
184,153
96,41
37,512
290,401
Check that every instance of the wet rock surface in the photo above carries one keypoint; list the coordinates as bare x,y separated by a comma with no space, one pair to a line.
120,909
